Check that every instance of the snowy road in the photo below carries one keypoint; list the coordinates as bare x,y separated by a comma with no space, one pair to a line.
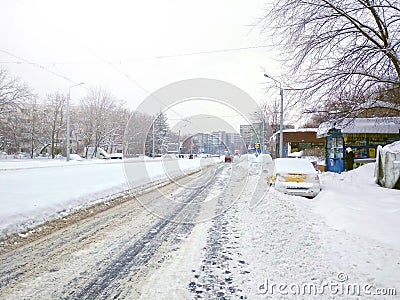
217,234
112,253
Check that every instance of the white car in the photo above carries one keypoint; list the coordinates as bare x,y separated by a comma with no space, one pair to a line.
296,176
116,156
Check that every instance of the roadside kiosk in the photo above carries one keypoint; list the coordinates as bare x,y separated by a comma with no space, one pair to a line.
362,135
335,151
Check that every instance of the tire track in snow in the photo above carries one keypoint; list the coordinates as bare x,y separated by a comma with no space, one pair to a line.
131,260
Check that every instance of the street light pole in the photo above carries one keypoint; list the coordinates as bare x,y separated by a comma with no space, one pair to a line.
153,153
281,124
281,116
68,120
263,135
179,137
179,144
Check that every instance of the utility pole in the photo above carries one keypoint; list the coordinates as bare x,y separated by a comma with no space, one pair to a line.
281,116
281,124
179,144
153,152
262,136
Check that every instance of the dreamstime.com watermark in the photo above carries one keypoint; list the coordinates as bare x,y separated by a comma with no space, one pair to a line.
339,286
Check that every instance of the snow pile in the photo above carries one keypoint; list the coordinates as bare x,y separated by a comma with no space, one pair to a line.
296,154
387,170
359,224
35,191
353,202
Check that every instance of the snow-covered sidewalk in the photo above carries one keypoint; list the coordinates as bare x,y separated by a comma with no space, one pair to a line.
359,225
339,245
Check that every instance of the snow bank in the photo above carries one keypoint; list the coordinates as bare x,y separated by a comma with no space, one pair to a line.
353,202
35,191
387,169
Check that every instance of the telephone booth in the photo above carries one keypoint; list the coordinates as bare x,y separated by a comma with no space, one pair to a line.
335,151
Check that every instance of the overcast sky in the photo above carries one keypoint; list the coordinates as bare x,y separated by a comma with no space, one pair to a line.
133,48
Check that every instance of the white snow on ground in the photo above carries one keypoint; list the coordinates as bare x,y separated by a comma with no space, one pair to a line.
353,202
359,224
348,235
35,191
352,226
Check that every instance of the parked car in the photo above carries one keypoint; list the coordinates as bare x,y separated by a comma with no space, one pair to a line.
95,152
76,157
116,156
3,155
22,155
295,176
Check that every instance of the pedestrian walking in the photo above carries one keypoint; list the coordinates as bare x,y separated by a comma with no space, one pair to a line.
349,158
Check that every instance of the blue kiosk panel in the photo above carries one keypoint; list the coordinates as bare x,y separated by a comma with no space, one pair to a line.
335,151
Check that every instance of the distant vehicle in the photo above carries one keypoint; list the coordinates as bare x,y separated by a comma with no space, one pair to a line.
295,176
228,157
22,155
76,157
116,156
3,155
96,152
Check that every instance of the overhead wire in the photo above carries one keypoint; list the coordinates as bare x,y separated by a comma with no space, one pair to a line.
139,58
121,71
126,75
210,52
113,64
38,66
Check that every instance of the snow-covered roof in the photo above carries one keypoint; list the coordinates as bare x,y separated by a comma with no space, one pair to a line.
294,130
361,125
301,130
379,103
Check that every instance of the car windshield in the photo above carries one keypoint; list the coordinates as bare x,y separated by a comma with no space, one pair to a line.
293,165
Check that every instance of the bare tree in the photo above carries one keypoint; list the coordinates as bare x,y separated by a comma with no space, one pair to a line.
96,123
12,92
11,132
118,119
139,126
270,112
336,50
33,126
54,125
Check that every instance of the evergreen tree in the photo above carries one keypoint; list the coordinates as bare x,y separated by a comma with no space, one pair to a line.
159,129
